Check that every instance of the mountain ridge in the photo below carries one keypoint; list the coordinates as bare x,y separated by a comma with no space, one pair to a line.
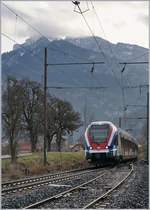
101,104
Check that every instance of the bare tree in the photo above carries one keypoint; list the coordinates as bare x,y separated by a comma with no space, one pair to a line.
32,108
12,111
23,109
51,132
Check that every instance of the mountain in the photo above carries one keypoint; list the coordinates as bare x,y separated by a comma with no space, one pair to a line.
121,51
27,61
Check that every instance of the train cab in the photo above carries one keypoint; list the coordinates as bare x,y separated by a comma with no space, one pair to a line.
106,143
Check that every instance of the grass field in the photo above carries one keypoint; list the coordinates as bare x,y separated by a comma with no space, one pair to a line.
34,163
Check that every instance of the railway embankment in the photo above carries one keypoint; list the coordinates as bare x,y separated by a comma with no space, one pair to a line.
122,186
32,165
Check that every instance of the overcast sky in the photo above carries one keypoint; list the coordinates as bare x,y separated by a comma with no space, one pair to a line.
122,21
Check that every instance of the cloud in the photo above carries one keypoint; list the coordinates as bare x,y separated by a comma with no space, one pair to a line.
46,18
144,19
120,24
6,13
57,19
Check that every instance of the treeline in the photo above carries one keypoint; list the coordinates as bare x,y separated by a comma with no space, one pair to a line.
22,112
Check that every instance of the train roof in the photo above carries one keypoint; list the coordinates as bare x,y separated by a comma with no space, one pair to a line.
102,122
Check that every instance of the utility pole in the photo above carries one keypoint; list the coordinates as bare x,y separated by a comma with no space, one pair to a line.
147,105
148,126
123,94
45,106
119,122
85,113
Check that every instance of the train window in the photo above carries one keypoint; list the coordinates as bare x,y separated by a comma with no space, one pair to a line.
99,133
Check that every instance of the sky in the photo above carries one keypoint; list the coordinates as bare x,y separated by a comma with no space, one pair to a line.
117,21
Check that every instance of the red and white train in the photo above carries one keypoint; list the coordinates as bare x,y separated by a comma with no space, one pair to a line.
105,142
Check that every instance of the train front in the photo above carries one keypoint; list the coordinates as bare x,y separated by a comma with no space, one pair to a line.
100,138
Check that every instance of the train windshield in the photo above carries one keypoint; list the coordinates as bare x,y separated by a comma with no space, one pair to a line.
99,133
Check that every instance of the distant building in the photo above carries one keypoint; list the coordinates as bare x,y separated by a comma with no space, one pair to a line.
24,147
77,148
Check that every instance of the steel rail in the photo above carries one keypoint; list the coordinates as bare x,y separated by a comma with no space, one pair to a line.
38,178
57,196
39,183
90,205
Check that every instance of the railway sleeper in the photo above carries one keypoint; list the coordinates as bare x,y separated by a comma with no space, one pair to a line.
102,205
107,187
58,185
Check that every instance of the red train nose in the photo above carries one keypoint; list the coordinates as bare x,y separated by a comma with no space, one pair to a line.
98,136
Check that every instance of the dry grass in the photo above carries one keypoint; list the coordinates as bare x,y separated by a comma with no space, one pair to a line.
34,164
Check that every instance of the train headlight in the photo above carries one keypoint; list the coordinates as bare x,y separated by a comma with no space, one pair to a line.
106,147
91,148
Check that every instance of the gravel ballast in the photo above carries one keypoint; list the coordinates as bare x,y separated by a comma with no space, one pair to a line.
133,193
25,198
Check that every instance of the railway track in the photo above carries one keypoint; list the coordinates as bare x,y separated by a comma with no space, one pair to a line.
99,202
68,198
35,205
29,183
38,178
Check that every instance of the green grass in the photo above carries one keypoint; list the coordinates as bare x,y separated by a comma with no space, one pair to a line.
56,162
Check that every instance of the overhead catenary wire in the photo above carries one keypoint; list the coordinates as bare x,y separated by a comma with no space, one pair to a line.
77,87
110,48
99,47
138,62
109,45
40,33
123,89
136,118
115,59
35,29
97,43
3,34
74,63
98,62
21,46
128,62
25,22
137,86
25,66
135,105
93,63
52,64
100,24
